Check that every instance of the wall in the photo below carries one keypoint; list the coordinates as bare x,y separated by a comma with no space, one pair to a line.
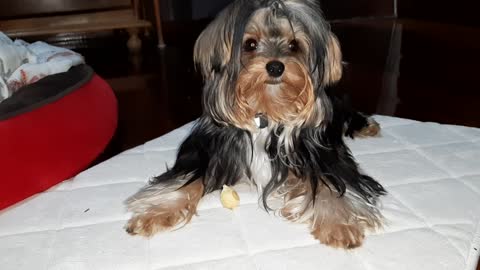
346,9
465,12
200,10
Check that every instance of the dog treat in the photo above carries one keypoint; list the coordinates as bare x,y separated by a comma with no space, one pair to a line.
229,197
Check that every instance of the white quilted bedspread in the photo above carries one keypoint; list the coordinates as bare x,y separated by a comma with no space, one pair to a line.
432,173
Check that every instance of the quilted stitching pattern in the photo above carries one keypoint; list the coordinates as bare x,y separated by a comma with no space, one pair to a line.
432,173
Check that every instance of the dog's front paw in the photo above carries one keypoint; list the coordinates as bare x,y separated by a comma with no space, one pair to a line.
339,235
156,208
149,224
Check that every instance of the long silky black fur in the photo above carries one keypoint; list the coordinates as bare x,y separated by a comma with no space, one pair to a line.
322,157
221,154
216,154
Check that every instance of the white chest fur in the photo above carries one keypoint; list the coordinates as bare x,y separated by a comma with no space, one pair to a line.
260,165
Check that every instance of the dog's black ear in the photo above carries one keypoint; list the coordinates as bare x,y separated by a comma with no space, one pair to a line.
213,48
333,61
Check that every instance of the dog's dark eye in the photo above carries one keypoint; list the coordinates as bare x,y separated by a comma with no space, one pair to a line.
293,46
251,45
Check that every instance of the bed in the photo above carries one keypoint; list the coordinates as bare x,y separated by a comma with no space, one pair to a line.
46,131
432,173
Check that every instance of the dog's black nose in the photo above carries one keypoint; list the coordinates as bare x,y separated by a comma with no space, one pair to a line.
275,68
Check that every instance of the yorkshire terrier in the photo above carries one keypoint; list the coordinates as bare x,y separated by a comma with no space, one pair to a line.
269,119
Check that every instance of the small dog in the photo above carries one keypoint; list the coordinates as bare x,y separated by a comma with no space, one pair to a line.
269,119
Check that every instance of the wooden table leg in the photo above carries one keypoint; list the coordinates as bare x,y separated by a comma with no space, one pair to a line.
161,42
134,43
136,8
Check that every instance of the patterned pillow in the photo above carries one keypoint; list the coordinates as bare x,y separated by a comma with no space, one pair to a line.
12,56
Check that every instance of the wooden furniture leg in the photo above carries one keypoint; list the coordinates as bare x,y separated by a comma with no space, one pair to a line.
134,43
158,21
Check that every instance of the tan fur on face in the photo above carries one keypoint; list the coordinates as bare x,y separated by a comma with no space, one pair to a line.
290,102
333,61
165,210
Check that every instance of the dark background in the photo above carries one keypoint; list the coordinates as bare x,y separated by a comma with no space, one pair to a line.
416,59
464,12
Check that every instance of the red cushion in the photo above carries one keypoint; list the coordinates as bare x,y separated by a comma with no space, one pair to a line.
45,146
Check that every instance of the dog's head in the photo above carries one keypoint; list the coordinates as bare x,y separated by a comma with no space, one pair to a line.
270,57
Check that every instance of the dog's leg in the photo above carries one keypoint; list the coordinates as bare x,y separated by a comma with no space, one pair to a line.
297,196
337,221
341,221
170,200
360,126
355,124
161,207
209,158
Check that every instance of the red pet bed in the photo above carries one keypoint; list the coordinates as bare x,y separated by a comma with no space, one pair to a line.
53,129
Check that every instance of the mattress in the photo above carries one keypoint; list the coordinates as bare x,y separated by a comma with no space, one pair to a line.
431,171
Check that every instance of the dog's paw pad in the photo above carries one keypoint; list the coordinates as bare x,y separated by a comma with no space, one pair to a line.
371,130
340,235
